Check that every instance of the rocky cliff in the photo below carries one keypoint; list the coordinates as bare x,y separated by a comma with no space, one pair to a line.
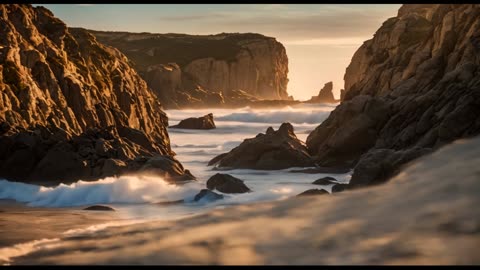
187,70
413,87
71,107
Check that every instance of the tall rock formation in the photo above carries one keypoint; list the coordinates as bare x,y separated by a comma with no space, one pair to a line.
414,86
325,95
71,107
186,70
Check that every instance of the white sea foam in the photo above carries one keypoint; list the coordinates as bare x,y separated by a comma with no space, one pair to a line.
292,116
110,190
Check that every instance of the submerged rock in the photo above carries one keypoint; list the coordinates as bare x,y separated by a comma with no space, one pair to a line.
99,208
312,192
271,151
226,183
204,122
207,195
325,181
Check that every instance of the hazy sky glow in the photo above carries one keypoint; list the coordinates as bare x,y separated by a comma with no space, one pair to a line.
320,39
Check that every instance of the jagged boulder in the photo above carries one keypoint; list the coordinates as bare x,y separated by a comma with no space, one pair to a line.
273,150
325,95
204,122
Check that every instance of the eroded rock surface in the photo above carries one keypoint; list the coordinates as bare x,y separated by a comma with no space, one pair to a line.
414,85
273,150
204,71
70,107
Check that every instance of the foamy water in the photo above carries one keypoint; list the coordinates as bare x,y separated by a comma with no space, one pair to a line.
134,196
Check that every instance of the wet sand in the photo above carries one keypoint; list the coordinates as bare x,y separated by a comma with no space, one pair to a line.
428,214
20,223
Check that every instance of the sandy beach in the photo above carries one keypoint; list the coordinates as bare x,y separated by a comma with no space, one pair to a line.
20,223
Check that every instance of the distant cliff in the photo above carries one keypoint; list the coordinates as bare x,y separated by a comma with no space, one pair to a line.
413,87
188,70
70,107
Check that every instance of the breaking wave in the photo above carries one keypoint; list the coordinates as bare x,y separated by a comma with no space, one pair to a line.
110,190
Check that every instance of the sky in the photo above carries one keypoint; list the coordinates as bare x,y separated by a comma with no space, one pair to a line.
320,39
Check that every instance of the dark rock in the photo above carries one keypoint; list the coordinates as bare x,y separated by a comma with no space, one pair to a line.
164,166
216,159
207,195
276,150
226,183
339,188
378,165
204,122
312,192
325,181
99,208
325,95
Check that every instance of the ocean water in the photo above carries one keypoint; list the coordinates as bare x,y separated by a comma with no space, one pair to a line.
135,197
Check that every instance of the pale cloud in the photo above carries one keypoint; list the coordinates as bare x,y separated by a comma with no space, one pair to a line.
320,23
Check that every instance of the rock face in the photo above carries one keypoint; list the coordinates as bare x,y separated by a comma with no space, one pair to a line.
226,183
325,95
191,71
204,122
273,150
415,85
71,107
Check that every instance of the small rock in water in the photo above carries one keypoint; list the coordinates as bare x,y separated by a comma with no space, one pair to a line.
226,183
325,181
207,195
99,208
204,122
311,192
